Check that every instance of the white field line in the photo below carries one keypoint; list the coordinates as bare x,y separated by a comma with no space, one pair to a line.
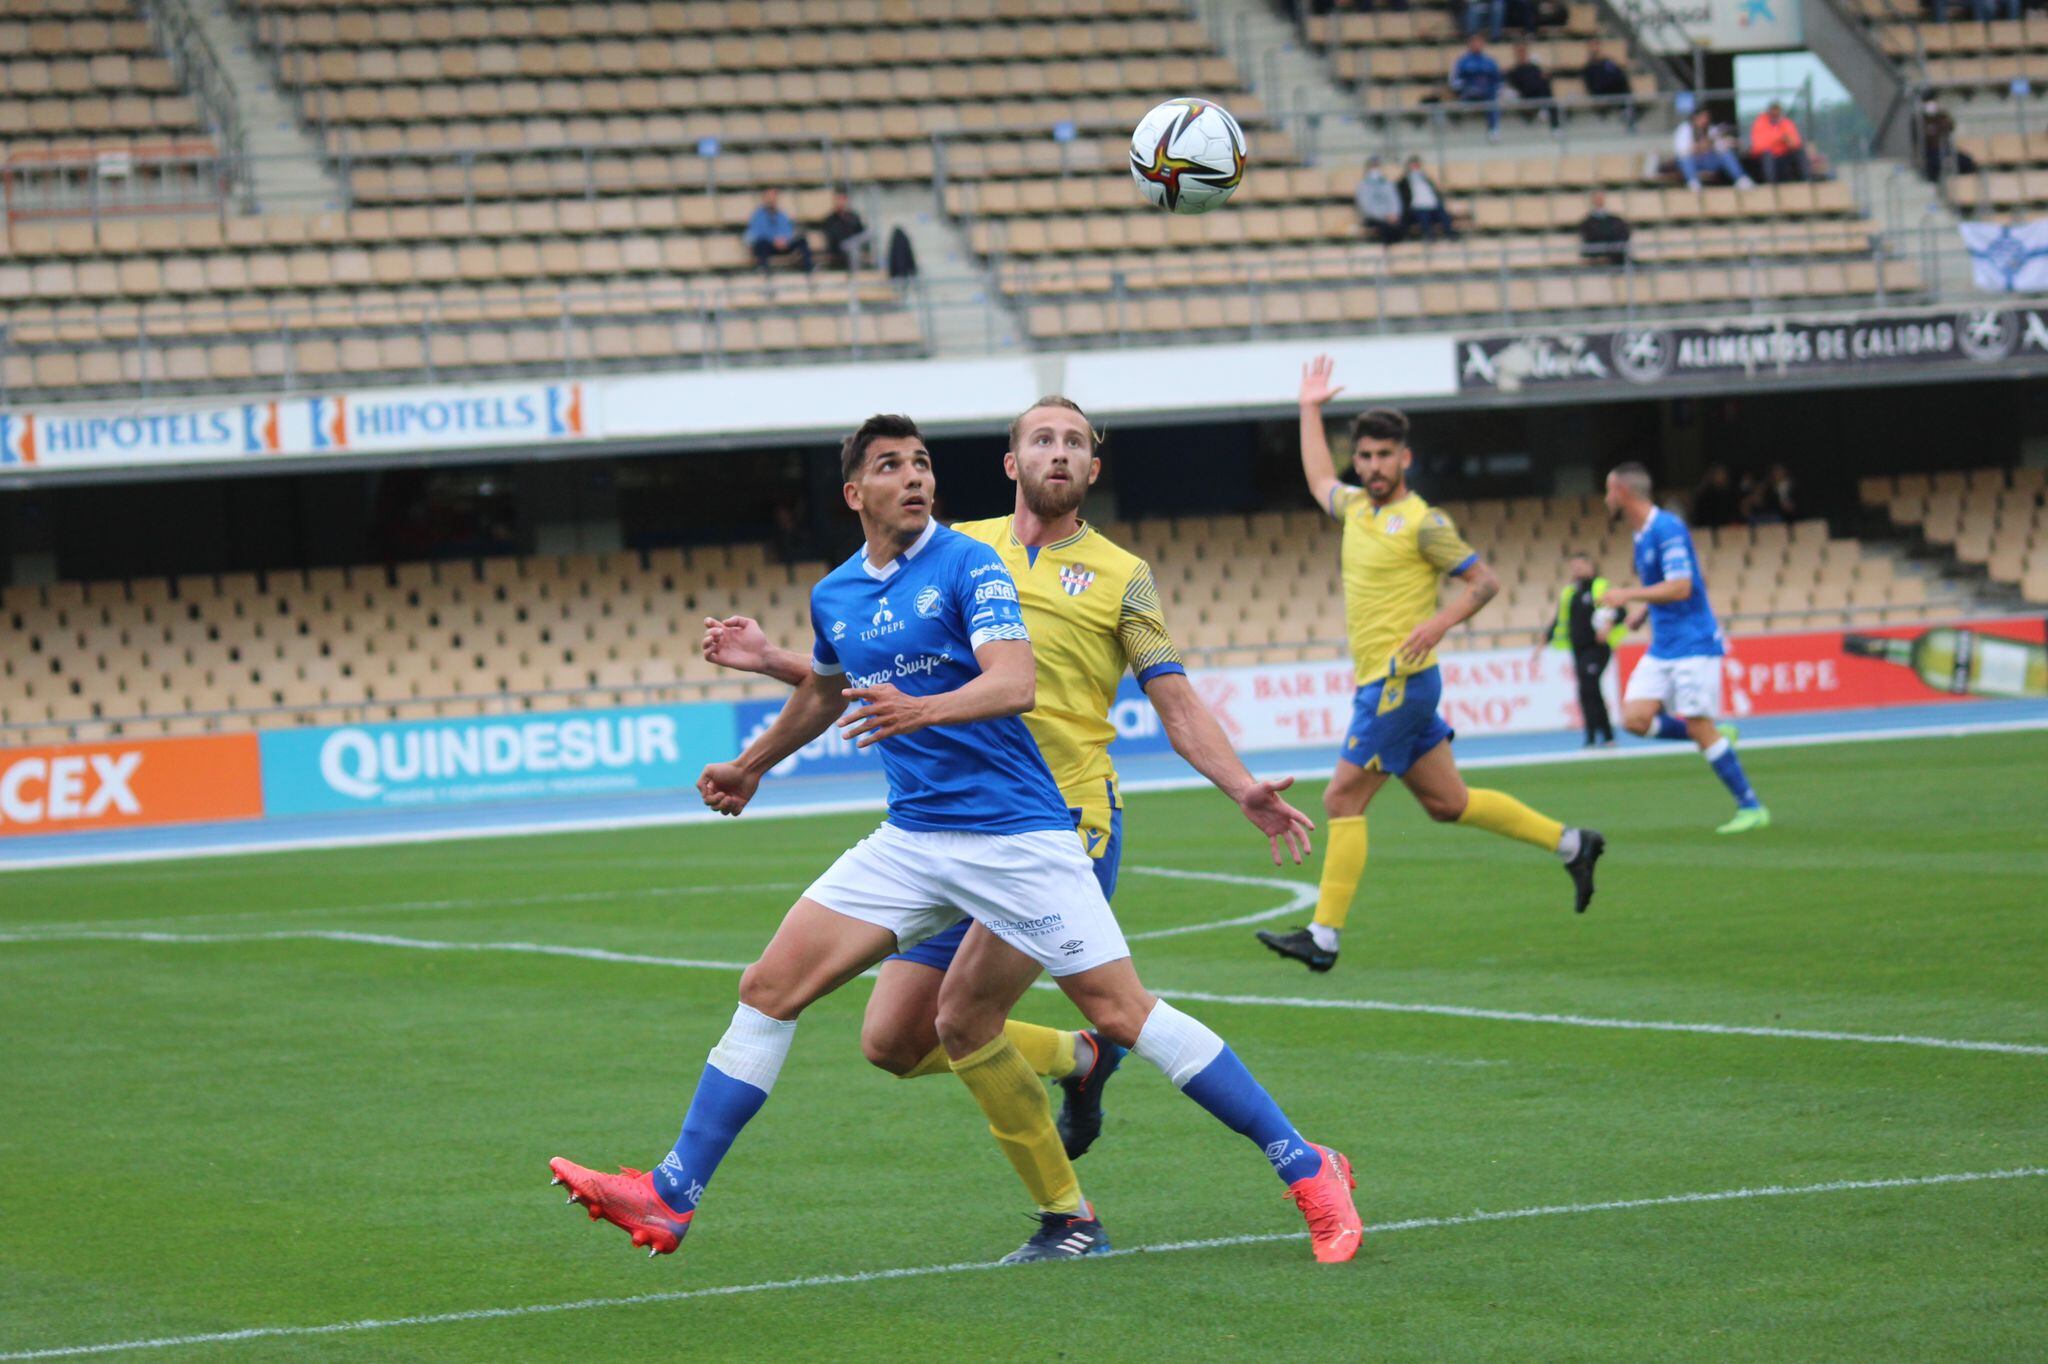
975,1266
1300,896
1193,996
573,897
1306,771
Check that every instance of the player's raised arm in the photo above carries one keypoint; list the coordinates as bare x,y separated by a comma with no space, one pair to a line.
739,643
809,712
1316,465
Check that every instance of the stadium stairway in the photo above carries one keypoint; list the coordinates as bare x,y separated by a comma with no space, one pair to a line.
1288,77
286,170
964,313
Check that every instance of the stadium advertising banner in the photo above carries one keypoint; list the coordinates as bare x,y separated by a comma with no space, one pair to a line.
1886,666
1308,705
1646,357
327,426
74,787
542,756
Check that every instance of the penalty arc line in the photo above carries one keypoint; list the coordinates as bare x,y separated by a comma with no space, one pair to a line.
975,1266
601,954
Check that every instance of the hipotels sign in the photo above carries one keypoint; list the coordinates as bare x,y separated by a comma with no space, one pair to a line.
390,421
1675,27
1648,357
456,762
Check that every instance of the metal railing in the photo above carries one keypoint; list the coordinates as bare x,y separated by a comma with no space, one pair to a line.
595,695
200,71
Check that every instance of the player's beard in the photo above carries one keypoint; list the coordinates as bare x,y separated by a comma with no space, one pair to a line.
1051,501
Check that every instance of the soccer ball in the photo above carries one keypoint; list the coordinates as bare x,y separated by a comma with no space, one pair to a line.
1188,155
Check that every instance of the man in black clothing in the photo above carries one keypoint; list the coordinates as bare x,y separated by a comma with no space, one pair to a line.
1605,79
841,226
1531,83
1591,641
1603,236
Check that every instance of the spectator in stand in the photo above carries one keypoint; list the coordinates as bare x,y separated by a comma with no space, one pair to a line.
1531,84
1715,502
1775,143
772,233
1605,80
1769,499
1423,204
1603,236
842,228
1476,80
1939,154
1700,146
1379,205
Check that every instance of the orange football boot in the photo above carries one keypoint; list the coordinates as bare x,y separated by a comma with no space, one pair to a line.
1324,1198
628,1201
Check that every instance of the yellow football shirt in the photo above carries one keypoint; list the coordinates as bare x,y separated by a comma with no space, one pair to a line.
1093,610
1394,559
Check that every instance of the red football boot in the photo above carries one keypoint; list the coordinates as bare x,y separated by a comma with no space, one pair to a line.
628,1201
1325,1200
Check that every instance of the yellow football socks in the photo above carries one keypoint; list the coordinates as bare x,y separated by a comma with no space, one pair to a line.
1500,813
936,1062
1343,865
1048,1051
1020,1119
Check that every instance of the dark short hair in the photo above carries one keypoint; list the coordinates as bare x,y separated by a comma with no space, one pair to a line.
1095,437
853,451
1380,423
1585,554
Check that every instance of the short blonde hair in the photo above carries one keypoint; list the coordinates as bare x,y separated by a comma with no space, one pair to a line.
1095,437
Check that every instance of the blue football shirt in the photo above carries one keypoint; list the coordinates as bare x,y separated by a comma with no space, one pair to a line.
916,624
1680,629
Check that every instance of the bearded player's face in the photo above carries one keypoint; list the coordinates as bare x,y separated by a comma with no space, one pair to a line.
1054,461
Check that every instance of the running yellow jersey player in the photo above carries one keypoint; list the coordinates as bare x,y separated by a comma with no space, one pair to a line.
1092,610
1397,551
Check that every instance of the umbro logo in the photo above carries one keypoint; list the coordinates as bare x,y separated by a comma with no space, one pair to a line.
1072,947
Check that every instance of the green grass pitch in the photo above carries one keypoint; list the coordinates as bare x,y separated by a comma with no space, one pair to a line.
204,1137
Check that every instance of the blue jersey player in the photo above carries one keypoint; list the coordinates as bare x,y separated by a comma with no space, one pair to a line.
920,646
1675,692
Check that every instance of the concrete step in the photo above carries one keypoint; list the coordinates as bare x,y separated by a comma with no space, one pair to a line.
287,171
962,311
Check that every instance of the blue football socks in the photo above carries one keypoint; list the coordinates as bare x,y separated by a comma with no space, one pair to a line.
735,1084
1196,1061
1669,726
1721,757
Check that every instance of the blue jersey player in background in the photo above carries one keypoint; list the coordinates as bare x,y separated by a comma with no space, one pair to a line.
1675,692
920,646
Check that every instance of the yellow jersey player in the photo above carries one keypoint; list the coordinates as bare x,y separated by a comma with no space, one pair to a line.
1093,612
1397,550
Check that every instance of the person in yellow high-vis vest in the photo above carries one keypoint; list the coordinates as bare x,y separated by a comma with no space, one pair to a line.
1590,631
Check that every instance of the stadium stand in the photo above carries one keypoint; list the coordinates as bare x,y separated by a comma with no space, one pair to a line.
85,74
1991,519
200,653
1399,60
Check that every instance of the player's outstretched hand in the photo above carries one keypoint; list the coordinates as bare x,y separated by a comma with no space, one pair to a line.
1316,388
737,642
880,713
1276,819
727,787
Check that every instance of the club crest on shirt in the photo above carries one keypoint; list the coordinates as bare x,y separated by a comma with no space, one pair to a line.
1394,524
1076,579
928,602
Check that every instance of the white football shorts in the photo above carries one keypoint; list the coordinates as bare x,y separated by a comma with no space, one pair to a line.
1036,891
1686,687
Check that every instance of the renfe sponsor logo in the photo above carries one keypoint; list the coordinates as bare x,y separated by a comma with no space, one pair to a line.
363,765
